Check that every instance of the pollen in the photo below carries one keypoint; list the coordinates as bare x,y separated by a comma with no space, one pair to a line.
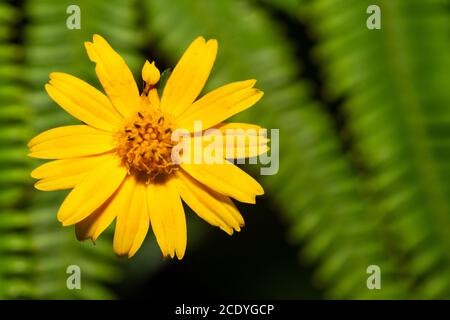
145,145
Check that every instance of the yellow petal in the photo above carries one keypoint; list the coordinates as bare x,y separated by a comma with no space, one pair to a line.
71,142
83,101
220,104
209,205
114,75
167,218
226,179
239,140
92,191
64,174
189,76
97,222
132,221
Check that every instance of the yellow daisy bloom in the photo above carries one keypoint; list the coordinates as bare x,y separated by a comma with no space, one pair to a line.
118,162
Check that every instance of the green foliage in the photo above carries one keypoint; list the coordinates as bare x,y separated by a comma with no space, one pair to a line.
397,105
16,243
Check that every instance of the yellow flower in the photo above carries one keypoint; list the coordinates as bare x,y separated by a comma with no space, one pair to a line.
119,162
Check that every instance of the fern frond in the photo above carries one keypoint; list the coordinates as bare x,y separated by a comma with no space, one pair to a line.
15,242
397,102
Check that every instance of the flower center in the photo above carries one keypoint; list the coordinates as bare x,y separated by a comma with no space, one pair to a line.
145,145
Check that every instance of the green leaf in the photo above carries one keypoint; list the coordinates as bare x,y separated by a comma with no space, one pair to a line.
163,80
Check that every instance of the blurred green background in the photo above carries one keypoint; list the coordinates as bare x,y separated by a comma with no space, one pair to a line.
364,119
